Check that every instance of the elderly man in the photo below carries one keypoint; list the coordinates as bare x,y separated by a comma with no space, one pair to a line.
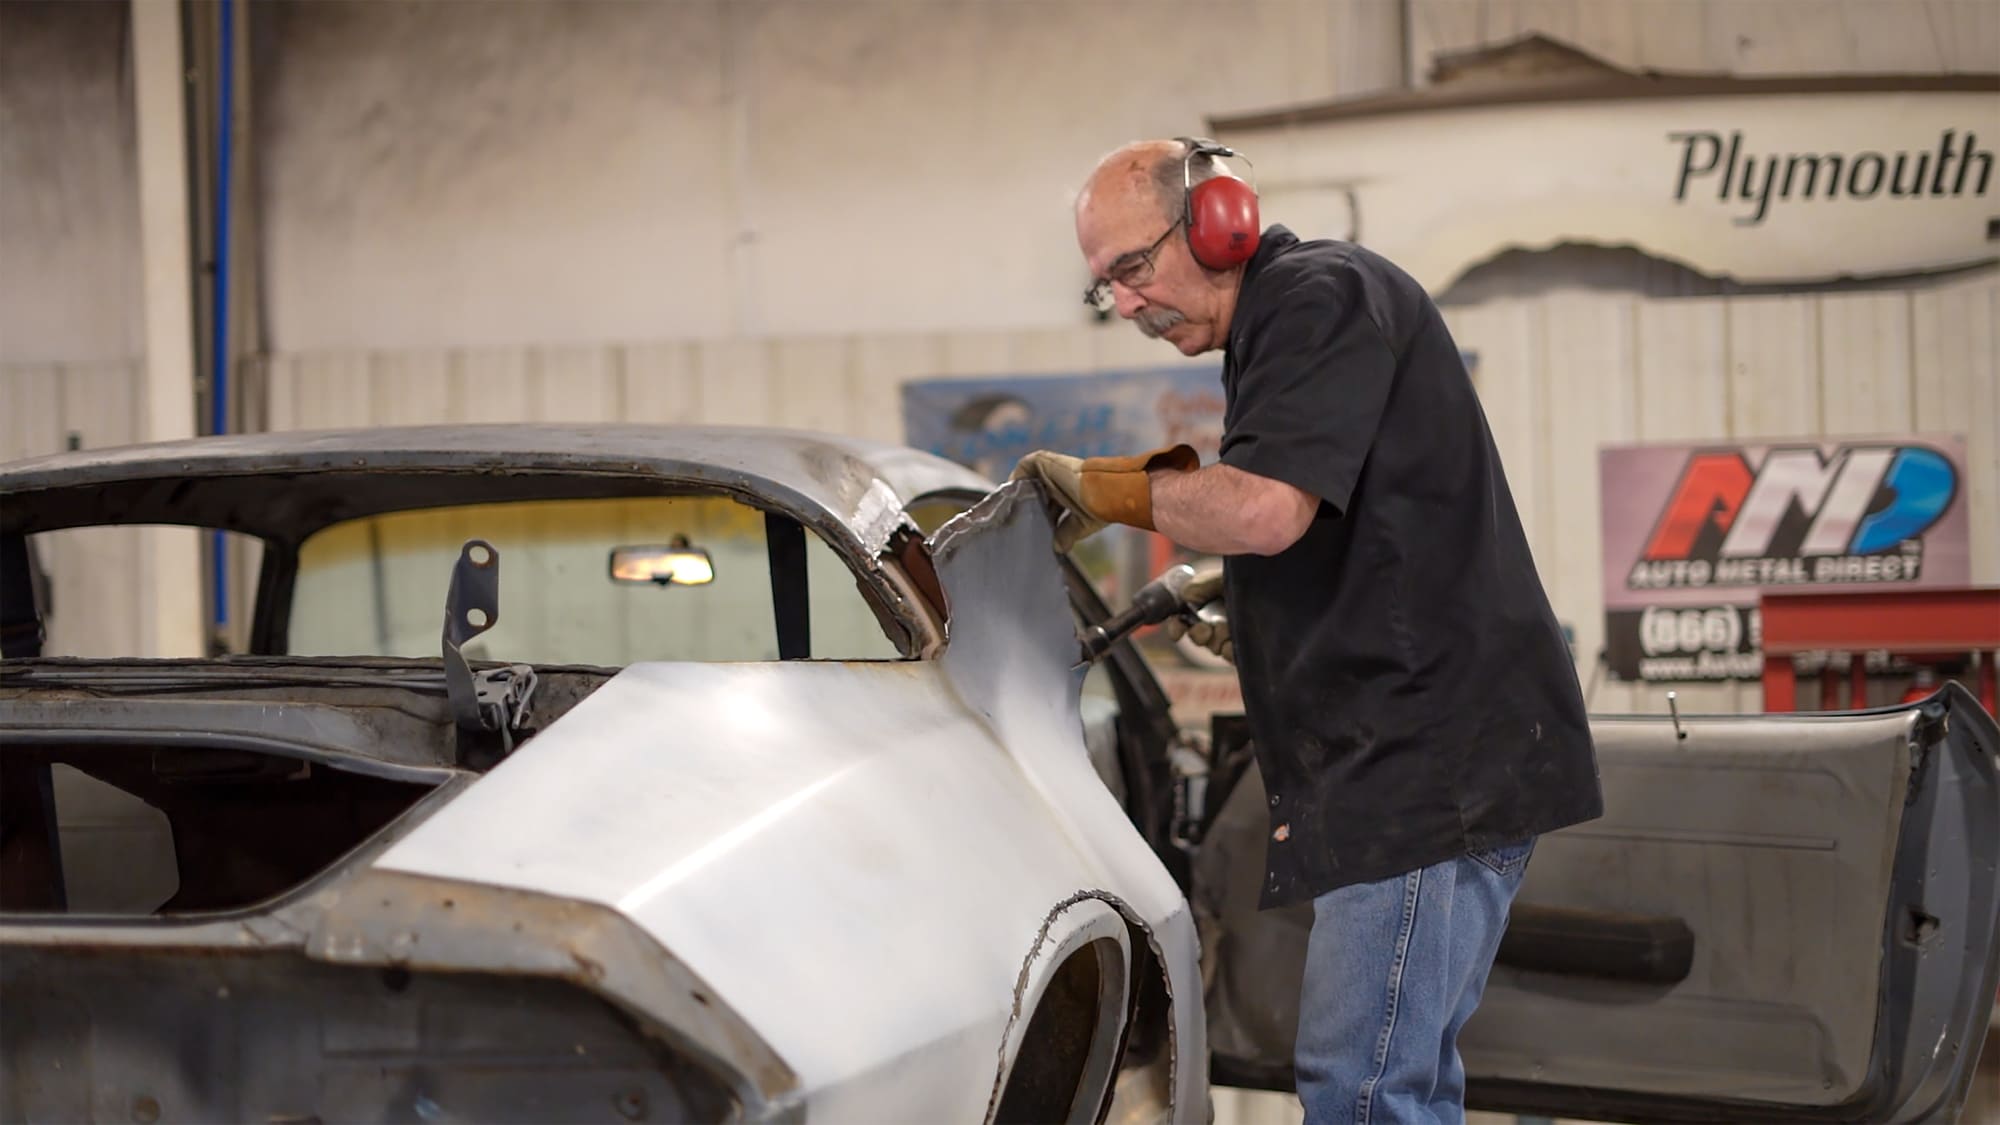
1416,715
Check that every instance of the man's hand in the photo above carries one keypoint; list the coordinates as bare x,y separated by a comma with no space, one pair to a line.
1209,629
1203,588
1090,494
1062,478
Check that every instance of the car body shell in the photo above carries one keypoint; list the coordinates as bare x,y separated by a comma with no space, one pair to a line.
845,884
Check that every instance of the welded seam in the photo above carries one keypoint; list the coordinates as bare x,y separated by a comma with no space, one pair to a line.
997,507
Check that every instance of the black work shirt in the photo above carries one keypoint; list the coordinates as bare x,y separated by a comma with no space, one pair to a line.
1406,683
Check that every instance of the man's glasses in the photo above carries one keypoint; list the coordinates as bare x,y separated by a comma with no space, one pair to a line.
1130,270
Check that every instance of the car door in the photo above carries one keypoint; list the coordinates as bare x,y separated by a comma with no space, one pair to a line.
1778,918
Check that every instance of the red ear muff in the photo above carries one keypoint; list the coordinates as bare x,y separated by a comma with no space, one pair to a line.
1222,223
1222,226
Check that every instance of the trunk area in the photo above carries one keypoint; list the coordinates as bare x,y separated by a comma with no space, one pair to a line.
159,788
138,829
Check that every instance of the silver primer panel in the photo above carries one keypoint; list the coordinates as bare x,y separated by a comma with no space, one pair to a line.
859,858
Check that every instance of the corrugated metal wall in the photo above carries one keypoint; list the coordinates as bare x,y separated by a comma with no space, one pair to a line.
1560,375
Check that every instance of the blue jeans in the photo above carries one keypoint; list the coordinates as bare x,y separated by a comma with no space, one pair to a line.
1393,970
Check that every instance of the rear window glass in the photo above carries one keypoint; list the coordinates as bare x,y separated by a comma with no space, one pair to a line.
377,586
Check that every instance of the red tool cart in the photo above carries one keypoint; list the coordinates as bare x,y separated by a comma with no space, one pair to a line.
1927,626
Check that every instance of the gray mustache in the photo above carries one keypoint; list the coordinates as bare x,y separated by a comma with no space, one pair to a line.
1154,322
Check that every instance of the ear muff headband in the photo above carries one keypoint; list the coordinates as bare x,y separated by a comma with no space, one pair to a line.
1220,213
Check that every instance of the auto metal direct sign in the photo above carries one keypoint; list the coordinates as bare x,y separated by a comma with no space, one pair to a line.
1693,534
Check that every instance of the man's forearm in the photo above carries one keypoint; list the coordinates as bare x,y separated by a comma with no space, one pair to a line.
1222,510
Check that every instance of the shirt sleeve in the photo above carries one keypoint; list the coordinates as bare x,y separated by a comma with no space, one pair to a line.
1311,387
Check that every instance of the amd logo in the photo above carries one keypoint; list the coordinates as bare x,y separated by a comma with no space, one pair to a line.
1854,516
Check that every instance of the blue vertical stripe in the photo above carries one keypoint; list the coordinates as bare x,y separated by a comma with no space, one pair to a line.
219,352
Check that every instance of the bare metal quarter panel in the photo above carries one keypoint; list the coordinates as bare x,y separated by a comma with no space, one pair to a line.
859,857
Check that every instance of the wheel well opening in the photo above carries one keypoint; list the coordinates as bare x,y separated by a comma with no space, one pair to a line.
1143,1089
1046,1081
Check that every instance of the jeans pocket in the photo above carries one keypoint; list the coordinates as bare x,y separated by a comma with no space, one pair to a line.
1505,860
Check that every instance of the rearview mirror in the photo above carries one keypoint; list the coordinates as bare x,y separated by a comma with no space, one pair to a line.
674,564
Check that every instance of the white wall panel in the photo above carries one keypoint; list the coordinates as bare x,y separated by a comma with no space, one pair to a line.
281,392
1442,26
1747,37
1865,385
1682,358
1367,46
976,353
69,195
100,403
1627,31
1955,347
1682,375
42,404
94,601
660,383
34,418
1510,343
1591,400
1773,367
813,385
1120,345
334,391
410,389
491,385
882,364
735,382
576,171
450,175
1055,351
576,384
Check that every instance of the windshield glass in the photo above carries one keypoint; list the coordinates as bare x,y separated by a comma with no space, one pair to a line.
377,586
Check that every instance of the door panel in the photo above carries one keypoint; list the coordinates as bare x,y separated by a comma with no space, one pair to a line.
1791,916
1775,843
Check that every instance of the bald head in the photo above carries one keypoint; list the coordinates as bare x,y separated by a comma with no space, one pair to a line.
1144,174
1127,218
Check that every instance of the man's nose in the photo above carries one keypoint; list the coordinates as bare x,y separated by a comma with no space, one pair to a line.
1129,302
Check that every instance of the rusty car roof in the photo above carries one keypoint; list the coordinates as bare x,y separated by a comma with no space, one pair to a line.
284,485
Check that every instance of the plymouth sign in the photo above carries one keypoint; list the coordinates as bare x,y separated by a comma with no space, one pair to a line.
1767,181
1757,179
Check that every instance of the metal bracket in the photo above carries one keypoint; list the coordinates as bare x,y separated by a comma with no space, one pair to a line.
495,700
471,607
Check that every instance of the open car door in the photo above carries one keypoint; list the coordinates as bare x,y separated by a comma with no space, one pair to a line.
1778,918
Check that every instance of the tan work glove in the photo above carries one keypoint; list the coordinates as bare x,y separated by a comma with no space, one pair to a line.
1092,493
1209,630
